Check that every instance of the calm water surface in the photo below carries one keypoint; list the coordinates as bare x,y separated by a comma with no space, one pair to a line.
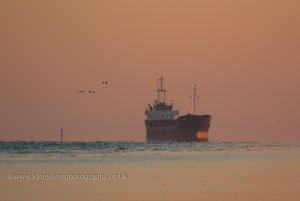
106,152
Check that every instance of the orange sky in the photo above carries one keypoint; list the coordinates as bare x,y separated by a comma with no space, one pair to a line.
243,55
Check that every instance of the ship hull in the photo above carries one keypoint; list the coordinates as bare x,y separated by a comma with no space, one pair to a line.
187,128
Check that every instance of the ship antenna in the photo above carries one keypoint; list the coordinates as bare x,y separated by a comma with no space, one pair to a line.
195,96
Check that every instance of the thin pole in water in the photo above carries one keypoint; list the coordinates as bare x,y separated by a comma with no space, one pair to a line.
61,134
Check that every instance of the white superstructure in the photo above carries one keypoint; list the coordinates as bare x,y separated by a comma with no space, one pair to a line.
160,109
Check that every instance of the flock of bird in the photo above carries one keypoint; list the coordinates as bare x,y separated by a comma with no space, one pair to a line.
88,91
91,91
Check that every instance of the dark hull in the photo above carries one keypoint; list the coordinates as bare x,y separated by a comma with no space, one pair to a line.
187,128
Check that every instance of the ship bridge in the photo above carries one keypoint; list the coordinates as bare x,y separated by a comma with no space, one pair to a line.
160,110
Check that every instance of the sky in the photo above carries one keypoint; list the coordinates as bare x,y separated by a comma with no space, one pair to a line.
244,57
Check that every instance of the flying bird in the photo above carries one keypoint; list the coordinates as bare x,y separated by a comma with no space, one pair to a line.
91,92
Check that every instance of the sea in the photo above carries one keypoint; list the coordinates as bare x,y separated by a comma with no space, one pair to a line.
127,152
214,171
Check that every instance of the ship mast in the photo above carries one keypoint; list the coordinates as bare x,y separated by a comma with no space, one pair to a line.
195,96
160,89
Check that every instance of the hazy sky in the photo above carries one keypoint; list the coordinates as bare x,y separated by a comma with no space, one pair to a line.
244,56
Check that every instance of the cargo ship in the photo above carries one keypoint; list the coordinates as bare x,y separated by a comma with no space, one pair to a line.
164,124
